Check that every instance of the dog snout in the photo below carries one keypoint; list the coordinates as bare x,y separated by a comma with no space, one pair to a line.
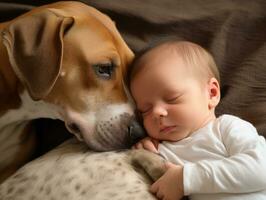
75,129
136,131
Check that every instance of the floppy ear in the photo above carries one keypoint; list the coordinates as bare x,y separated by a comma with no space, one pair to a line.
34,43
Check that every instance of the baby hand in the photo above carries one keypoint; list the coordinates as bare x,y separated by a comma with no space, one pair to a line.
147,143
170,185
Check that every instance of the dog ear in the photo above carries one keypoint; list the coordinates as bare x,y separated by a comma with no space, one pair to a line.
34,43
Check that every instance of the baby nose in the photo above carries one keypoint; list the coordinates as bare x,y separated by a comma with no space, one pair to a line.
159,111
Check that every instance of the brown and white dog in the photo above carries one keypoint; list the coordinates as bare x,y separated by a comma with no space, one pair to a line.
62,61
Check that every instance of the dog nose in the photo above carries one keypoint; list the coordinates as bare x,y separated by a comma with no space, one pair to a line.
135,131
74,128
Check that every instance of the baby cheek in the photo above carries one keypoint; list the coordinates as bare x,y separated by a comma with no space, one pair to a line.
182,114
150,127
146,123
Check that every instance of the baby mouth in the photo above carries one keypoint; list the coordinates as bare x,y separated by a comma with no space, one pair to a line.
167,129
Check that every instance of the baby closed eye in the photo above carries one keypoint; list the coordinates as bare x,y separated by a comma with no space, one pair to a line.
174,100
144,111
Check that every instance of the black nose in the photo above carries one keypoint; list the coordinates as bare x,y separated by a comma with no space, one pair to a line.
136,131
74,128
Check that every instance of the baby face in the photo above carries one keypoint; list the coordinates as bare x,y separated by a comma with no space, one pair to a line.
172,100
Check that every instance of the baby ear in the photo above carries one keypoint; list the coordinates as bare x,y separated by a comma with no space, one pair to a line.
214,92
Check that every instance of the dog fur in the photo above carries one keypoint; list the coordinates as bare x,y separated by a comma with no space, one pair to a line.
64,61
72,171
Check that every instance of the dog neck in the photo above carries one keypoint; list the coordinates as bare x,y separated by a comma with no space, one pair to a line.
29,110
16,133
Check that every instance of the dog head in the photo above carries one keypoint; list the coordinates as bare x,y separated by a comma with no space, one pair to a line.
70,57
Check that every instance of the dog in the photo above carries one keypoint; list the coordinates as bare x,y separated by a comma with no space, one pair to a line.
63,61
72,171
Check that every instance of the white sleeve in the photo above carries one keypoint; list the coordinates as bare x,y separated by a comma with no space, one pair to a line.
244,170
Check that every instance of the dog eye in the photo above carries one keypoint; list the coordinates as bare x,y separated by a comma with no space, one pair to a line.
104,70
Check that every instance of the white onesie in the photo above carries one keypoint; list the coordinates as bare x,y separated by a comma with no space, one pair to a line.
224,160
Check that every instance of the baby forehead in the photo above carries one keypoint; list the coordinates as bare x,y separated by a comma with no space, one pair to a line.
188,52
175,55
161,51
184,54
181,49
159,55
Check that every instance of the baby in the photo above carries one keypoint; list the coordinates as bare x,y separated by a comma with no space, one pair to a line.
176,88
